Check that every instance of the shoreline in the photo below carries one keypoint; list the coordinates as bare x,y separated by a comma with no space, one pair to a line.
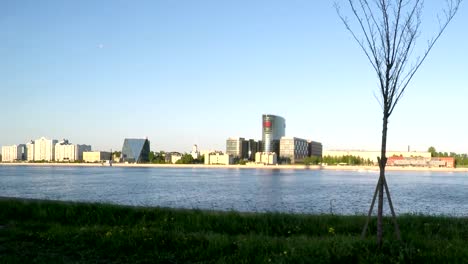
251,166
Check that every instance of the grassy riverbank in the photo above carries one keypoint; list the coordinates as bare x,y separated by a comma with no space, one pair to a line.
59,232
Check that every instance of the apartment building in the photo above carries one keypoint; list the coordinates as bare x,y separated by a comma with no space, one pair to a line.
65,151
14,153
44,149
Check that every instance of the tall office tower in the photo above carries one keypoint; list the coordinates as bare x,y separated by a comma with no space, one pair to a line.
273,128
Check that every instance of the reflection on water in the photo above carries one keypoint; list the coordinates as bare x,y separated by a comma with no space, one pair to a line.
285,190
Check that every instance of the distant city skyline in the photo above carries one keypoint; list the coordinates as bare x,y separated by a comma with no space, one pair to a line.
96,72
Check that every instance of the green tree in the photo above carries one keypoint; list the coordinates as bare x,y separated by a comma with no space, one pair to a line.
151,156
312,160
160,157
433,151
186,159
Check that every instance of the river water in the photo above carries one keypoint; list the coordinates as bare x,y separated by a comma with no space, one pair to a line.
250,190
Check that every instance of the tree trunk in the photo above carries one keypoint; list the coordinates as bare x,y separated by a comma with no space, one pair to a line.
382,163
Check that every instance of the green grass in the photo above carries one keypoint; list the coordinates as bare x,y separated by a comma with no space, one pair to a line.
61,232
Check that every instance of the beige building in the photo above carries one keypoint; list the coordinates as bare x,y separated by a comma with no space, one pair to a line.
372,155
30,151
267,158
96,156
218,159
64,151
173,157
13,153
44,149
293,149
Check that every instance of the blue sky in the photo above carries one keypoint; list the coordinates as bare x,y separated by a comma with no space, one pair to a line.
198,72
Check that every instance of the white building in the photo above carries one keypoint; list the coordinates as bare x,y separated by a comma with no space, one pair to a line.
218,159
266,158
30,151
195,153
13,153
44,149
293,149
64,151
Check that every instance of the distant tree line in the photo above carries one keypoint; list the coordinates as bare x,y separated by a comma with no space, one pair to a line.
346,159
335,160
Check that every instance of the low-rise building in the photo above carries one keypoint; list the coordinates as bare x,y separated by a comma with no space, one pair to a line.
315,148
218,159
443,162
439,162
96,156
372,155
266,158
293,149
172,157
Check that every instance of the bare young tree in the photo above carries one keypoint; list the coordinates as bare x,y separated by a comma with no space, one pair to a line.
387,30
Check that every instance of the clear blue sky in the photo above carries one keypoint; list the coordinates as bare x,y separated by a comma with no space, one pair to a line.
197,72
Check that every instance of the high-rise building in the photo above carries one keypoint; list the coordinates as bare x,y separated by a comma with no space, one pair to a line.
238,148
253,147
44,149
30,151
135,150
14,153
65,151
273,128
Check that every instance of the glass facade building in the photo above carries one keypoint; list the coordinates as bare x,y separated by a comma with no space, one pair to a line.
273,128
135,150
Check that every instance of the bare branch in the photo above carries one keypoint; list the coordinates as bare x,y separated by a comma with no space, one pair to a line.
390,29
